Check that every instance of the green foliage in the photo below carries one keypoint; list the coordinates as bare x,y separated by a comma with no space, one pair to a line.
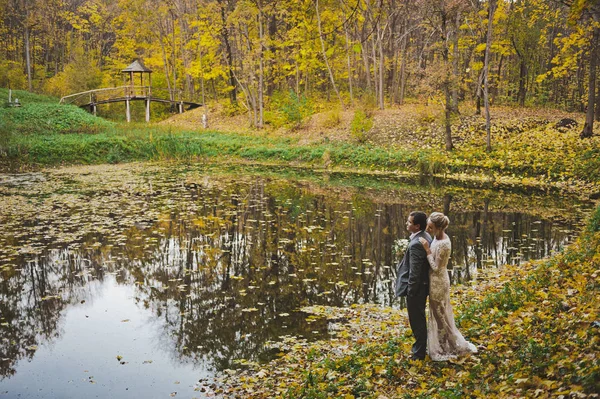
360,126
594,224
11,75
293,109
6,133
81,74
230,109
430,163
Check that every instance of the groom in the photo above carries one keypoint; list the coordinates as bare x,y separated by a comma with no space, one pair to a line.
412,282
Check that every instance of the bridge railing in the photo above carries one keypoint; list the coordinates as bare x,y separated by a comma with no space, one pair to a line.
99,95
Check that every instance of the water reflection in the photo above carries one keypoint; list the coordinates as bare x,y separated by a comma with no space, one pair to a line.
219,264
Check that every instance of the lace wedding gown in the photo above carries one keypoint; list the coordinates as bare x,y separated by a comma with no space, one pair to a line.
444,341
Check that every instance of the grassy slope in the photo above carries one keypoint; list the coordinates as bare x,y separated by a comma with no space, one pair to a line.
43,115
536,328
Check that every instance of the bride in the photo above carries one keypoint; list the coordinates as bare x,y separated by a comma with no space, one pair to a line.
444,341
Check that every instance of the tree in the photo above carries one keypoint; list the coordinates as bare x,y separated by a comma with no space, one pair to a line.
589,11
486,95
324,53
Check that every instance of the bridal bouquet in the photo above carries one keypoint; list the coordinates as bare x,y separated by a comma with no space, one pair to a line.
399,248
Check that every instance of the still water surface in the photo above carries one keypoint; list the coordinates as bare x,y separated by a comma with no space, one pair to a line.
140,280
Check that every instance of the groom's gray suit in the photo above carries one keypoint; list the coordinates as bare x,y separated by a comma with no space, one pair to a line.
412,281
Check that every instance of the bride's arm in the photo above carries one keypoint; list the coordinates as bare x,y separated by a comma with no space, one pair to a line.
430,257
443,255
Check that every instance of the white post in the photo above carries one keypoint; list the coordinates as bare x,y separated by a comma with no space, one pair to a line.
10,96
127,111
148,109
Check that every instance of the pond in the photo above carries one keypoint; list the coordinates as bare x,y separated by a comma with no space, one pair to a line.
144,280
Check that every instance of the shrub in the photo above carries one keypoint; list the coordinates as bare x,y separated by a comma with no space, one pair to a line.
332,119
293,108
274,119
594,224
11,75
361,124
425,115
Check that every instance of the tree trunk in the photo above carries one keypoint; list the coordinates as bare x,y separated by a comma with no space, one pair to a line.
381,63
588,128
363,53
325,55
499,73
522,81
403,72
486,67
395,79
229,57
455,64
447,83
261,67
580,76
448,113
349,62
173,56
202,82
166,66
189,82
597,103
375,68
28,54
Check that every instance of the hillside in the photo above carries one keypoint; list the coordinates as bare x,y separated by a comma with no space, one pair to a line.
407,126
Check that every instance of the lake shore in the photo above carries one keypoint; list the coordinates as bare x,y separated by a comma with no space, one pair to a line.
525,350
528,149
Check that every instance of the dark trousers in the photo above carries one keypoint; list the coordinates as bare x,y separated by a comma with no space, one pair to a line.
418,323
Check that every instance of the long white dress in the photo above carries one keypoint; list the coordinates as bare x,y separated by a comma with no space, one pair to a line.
444,341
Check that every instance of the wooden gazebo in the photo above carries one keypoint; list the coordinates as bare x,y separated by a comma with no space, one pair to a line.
145,92
138,66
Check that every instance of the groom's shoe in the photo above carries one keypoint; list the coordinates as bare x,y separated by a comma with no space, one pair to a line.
414,357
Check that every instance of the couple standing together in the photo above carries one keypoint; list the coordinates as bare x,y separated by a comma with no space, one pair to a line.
421,273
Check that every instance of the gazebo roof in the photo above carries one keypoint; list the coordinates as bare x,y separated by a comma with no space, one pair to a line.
137,66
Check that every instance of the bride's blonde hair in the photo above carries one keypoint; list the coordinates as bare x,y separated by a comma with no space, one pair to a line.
439,220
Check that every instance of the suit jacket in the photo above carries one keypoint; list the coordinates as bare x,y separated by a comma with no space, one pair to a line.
412,273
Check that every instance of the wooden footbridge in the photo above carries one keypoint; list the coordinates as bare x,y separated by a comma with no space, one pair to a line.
92,98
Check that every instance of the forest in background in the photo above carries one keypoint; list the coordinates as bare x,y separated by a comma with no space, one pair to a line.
256,54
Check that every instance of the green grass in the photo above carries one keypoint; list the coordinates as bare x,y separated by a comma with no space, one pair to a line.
123,144
44,133
42,115
26,97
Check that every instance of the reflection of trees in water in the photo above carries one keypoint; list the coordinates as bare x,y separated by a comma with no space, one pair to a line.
32,297
222,267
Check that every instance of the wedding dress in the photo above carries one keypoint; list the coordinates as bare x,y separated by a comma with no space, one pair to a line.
444,341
